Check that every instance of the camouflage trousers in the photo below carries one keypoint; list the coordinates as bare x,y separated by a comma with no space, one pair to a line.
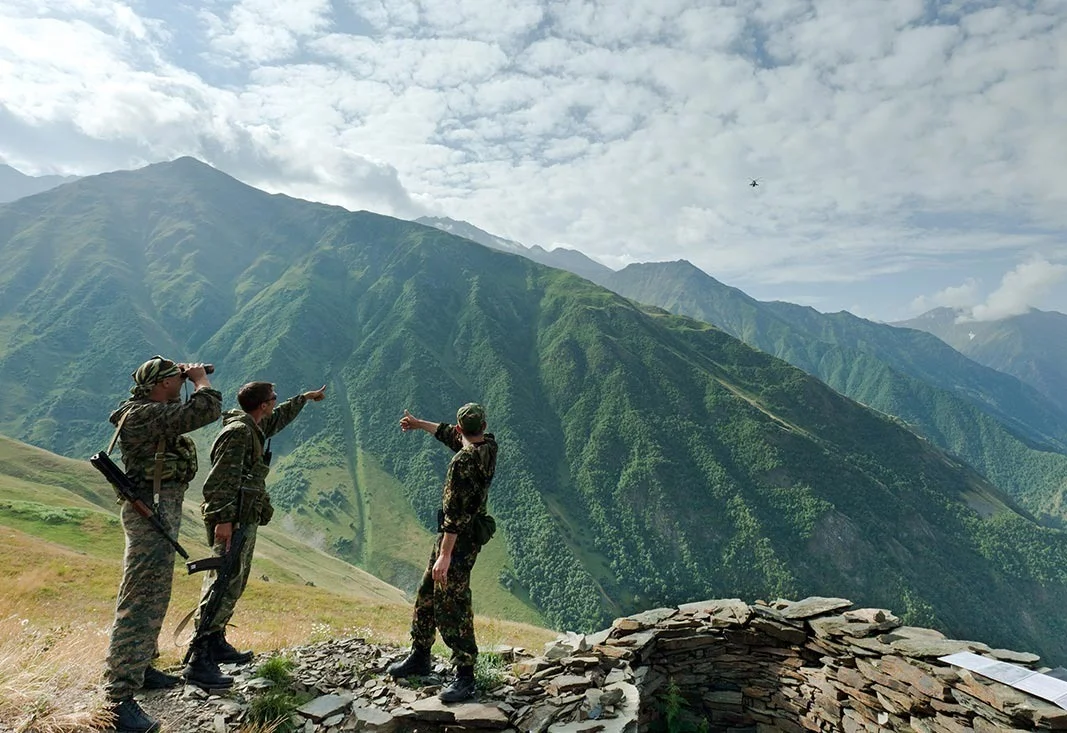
144,594
447,609
236,587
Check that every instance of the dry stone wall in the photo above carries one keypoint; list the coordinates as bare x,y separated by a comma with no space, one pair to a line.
719,665
814,665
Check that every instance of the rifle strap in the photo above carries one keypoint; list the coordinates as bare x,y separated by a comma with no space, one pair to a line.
157,474
118,429
181,627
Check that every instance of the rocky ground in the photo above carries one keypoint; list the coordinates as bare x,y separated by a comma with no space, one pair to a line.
730,667
350,691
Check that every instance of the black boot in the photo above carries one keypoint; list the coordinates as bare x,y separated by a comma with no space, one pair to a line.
129,718
156,680
222,651
416,664
462,688
202,670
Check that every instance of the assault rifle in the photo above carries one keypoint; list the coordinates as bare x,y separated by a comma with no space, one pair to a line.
126,489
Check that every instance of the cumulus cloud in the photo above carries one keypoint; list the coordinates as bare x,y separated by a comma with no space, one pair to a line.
956,296
1021,289
258,31
890,135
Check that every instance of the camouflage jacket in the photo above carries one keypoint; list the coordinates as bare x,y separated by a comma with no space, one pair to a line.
237,462
470,472
149,421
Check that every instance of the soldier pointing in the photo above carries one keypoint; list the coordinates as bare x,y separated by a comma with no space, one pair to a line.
236,498
443,601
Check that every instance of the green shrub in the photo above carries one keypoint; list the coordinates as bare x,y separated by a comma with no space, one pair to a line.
489,671
274,709
277,669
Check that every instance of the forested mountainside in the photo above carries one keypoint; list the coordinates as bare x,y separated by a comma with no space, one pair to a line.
1005,429
645,458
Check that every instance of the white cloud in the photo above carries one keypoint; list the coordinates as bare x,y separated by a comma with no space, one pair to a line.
890,134
956,296
1022,288
258,31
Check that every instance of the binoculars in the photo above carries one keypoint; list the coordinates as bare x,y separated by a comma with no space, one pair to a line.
208,369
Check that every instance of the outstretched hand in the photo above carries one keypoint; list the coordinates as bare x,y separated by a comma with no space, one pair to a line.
409,422
316,395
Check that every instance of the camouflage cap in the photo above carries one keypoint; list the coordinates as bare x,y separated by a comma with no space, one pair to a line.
471,418
155,370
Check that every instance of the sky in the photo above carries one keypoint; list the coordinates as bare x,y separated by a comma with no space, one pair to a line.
910,153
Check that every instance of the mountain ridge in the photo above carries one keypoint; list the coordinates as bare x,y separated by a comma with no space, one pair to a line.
15,185
645,457
561,258
1018,442
1029,346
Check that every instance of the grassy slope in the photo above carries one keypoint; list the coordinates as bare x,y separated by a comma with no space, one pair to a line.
60,561
378,528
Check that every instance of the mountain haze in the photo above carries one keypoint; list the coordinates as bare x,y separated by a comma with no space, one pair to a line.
15,184
562,258
1031,346
645,458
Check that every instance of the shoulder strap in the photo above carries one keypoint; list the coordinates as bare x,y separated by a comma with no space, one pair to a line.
118,429
157,475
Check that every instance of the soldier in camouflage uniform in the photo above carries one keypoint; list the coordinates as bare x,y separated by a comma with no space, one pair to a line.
443,601
153,419
235,495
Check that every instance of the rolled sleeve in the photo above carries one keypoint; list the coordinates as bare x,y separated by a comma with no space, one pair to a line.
446,433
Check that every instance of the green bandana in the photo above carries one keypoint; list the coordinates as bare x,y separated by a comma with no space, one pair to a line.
151,373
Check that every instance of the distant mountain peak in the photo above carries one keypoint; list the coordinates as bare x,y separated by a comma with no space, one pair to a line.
186,165
469,231
561,258
14,184
1029,346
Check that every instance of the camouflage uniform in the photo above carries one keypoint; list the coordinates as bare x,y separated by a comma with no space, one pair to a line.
148,565
466,494
237,463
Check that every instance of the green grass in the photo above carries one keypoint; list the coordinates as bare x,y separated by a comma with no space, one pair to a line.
278,669
60,563
490,671
273,708
84,530
397,544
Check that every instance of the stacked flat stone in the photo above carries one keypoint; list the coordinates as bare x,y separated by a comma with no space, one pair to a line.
813,665
810,665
